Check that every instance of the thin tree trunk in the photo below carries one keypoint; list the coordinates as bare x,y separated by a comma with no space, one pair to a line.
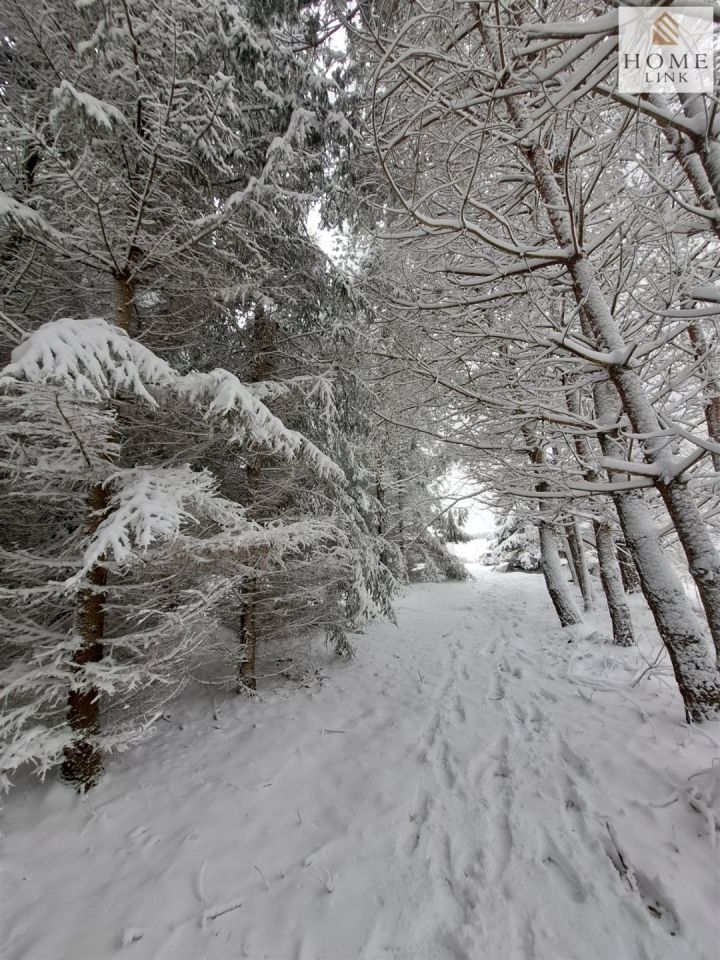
611,576
711,385
577,549
248,636
555,579
401,511
84,761
611,579
264,346
569,558
380,494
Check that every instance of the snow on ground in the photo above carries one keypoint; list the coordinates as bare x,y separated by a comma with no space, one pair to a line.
473,786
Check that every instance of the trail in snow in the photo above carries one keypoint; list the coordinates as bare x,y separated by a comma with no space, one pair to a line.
472,787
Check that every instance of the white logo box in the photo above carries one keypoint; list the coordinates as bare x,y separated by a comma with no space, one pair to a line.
666,49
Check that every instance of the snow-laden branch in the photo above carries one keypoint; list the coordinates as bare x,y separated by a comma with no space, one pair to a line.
91,357
603,359
222,394
98,360
25,219
99,111
149,505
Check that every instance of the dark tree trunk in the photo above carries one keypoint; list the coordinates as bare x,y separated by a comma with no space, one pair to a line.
84,761
264,345
628,570
248,637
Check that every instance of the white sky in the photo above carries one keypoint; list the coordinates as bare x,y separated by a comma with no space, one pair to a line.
481,520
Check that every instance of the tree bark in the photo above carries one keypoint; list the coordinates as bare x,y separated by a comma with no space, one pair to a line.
628,570
263,347
611,578
555,579
247,676
569,556
84,761
706,145
690,163
577,549
125,299
684,638
711,386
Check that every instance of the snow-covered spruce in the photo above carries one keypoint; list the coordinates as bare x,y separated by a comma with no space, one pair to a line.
134,562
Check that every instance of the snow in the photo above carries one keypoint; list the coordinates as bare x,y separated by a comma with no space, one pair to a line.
98,359
90,356
100,111
477,784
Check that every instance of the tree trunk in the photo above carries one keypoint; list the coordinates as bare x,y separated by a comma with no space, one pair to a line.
711,386
577,549
248,637
569,557
612,583
401,512
380,495
84,761
555,579
697,108
125,299
263,347
599,324
690,163
628,570
684,638
610,572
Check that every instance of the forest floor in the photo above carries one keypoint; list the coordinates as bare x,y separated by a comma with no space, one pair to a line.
477,784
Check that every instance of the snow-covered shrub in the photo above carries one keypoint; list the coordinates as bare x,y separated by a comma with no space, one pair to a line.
430,561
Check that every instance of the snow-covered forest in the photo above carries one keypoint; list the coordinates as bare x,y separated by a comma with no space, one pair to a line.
359,485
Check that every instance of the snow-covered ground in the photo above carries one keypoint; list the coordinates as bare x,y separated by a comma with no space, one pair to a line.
473,786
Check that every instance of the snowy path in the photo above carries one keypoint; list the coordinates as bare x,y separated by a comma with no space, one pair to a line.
472,787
